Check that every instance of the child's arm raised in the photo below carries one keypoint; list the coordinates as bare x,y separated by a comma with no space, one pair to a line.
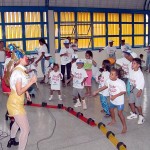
112,97
99,90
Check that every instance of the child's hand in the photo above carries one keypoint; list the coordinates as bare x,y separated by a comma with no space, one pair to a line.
139,93
28,96
82,83
95,93
112,97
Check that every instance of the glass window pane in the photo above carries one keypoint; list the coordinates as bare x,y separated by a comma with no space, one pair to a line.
84,30
99,29
146,28
138,28
12,17
147,40
13,31
113,17
126,17
128,39
32,17
113,29
56,30
55,16
1,33
146,18
44,17
83,17
67,30
0,18
17,43
32,31
138,40
56,43
45,30
99,42
67,17
138,17
126,29
31,45
84,43
99,17
115,39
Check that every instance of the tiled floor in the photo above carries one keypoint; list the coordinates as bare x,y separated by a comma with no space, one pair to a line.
72,134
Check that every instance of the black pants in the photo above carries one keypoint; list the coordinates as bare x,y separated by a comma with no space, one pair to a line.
63,68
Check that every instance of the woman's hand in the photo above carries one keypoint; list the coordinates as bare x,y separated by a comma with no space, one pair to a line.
33,79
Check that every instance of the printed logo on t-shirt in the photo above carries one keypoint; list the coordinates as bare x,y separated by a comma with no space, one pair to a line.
112,89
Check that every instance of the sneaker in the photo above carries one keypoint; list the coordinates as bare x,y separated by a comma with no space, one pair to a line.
132,116
50,98
141,119
78,104
59,96
84,105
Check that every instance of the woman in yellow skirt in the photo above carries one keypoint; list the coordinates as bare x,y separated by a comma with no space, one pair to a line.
19,84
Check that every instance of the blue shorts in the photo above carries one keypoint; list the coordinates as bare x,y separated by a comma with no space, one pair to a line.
119,107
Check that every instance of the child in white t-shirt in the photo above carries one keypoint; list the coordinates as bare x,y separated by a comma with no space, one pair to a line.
104,94
79,76
137,82
73,63
117,89
55,79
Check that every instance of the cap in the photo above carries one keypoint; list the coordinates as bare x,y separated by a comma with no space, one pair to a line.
47,55
66,41
74,56
134,55
80,61
110,41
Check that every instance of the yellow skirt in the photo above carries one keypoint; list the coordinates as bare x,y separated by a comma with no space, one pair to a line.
15,104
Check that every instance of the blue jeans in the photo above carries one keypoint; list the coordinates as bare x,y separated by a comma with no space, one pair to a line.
43,65
1,69
119,107
104,103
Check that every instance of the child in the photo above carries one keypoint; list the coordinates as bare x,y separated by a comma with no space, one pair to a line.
148,59
142,61
74,59
104,94
137,82
75,45
55,77
117,89
79,76
88,62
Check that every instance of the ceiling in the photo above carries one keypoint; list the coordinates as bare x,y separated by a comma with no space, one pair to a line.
118,4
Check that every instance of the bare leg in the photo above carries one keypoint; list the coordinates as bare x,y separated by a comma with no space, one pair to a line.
112,113
140,110
123,121
132,106
59,93
51,92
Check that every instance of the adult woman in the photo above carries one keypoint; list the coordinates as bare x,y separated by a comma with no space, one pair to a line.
43,49
19,83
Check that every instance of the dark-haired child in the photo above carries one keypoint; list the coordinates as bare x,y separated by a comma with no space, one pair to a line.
88,62
137,82
142,61
55,79
104,94
117,89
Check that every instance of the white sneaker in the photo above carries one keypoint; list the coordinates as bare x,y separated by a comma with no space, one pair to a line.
50,98
132,116
141,119
84,104
59,96
78,104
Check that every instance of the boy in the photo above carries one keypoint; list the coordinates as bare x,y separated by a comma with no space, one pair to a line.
117,89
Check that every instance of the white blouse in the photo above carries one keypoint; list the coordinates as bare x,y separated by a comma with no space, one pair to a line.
18,75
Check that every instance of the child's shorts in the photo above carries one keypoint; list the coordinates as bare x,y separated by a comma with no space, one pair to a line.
77,92
119,107
134,99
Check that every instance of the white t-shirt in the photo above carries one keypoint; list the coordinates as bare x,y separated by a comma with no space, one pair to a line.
78,76
74,65
41,49
18,75
66,59
137,79
125,47
115,87
55,80
32,73
104,77
110,50
124,63
2,56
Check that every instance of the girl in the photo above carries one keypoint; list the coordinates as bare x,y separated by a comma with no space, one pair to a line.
88,62
19,85
55,78
117,89
137,82
104,94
